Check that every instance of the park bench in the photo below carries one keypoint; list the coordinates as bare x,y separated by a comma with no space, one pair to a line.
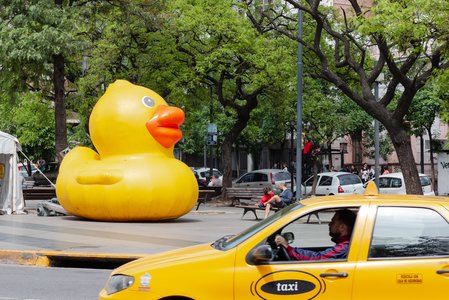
39,193
247,199
253,208
206,193
246,194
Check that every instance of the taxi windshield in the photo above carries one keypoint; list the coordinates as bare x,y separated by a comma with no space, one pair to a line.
230,241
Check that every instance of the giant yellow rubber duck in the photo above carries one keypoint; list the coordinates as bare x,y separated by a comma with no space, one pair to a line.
134,175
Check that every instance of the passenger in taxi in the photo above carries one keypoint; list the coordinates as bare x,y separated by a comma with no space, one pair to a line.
340,230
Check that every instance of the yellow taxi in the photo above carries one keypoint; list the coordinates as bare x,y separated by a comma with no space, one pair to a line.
398,249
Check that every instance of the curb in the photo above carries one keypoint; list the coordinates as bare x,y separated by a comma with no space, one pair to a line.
44,258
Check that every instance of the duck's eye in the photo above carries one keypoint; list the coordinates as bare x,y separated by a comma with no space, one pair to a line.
147,101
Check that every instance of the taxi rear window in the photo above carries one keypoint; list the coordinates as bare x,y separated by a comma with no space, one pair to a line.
409,232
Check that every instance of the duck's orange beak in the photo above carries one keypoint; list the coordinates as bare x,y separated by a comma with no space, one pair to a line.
164,125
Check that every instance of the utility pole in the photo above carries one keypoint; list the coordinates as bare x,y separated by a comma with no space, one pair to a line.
211,135
299,112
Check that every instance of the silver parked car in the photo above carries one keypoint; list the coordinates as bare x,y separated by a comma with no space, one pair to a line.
264,177
334,183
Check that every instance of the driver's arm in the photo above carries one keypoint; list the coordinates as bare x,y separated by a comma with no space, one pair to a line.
338,251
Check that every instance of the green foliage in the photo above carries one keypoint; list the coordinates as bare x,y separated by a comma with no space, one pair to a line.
441,90
31,120
386,147
328,115
208,46
32,32
425,108
206,57
408,24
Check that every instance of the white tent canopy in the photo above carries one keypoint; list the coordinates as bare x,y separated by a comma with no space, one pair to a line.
11,195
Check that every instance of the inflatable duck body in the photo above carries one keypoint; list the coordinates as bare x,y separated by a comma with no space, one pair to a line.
134,176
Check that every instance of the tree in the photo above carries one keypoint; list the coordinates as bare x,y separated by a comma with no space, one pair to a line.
35,38
216,48
424,110
410,39
329,114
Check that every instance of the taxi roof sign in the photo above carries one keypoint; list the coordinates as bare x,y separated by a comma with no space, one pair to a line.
371,189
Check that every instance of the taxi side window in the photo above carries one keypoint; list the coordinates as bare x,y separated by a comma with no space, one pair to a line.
311,231
409,232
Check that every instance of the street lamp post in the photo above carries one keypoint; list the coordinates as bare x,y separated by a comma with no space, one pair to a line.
380,78
299,112
376,137
211,141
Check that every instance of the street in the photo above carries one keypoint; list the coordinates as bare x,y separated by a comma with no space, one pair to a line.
38,283
72,235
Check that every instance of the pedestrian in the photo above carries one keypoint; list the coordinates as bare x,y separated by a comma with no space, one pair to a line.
284,167
41,164
366,173
215,181
280,201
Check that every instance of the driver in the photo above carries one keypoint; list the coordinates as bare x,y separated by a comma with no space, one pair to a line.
340,230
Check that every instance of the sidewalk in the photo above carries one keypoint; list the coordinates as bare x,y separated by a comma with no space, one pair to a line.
45,241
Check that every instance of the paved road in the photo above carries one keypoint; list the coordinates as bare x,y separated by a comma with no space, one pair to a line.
30,239
37,283
74,235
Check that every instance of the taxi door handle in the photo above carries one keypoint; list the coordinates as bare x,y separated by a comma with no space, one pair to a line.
442,271
340,274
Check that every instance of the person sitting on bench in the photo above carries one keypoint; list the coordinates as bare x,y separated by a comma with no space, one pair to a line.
267,195
281,200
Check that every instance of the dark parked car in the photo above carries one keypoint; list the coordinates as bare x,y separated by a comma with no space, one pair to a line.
50,171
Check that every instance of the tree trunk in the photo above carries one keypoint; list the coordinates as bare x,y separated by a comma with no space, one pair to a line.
60,112
226,158
402,145
228,142
329,155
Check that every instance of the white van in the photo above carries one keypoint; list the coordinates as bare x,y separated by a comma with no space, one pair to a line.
393,183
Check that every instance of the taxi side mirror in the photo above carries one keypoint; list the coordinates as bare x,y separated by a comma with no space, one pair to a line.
261,254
